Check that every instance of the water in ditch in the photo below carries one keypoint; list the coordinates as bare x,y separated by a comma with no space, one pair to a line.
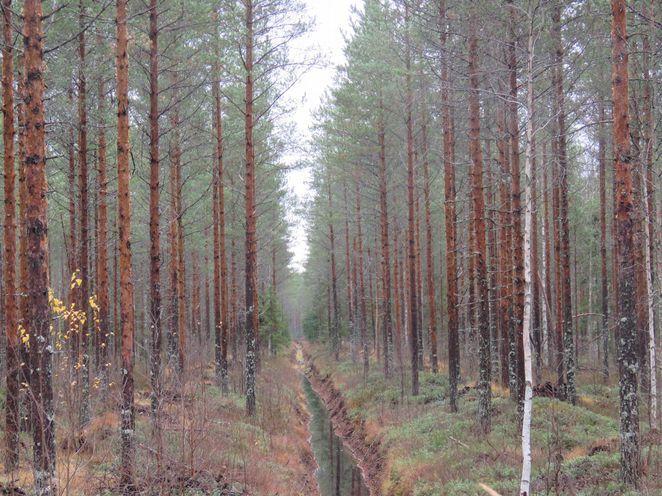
338,474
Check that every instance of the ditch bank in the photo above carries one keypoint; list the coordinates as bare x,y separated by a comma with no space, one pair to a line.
368,453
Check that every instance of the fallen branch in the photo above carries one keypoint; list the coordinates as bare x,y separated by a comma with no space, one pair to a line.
458,441
488,489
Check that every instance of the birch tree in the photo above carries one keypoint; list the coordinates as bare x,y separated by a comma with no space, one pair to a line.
525,482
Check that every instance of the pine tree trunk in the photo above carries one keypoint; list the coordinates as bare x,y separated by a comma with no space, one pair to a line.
23,303
566,315
429,259
419,274
207,309
491,208
72,200
218,352
450,218
625,217
154,220
12,416
478,202
234,298
182,333
413,299
102,239
604,282
362,296
127,311
547,262
558,323
224,317
348,272
335,325
508,377
36,224
173,334
251,262
470,333
396,298
83,261
387,324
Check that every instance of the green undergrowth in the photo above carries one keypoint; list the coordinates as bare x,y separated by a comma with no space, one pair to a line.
431,451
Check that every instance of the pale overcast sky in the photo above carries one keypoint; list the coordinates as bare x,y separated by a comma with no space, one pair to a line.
332,19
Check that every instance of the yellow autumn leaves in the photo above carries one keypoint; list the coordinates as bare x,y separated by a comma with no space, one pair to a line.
73,317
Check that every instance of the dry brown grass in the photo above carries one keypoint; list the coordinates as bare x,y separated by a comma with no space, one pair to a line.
207,442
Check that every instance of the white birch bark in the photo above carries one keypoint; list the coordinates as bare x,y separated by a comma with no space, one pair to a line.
525,482
544,348
651,312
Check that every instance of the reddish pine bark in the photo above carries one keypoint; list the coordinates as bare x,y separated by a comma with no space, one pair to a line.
478,202
11,316
625,218
566,315
127,317
36,224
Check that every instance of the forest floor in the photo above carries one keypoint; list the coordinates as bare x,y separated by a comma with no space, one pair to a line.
427,451
209,446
